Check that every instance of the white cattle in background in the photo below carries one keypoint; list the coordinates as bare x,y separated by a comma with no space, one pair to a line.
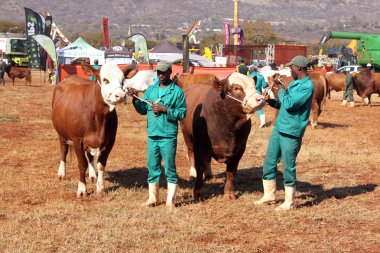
141,81
267,72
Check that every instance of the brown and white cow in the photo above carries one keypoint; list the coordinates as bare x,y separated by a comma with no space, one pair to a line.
366,83
217,125
319,96
84,115
17,72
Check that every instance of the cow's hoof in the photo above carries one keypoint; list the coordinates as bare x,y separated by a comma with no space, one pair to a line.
229,196
93,179
198,195
81,195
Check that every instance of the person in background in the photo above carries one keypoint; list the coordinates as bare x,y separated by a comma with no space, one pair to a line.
2,71
241,68
348,90
260,85
96,66
294,104
167,106
369,66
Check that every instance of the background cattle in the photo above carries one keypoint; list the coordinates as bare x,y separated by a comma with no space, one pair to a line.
366,83
84,115
335,81
17,72
184,80
217,125
319,96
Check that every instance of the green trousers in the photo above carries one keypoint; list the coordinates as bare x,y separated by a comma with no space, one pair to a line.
282,147
348,93
162,148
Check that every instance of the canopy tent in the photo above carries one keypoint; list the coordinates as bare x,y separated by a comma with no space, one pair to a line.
170,53
80,48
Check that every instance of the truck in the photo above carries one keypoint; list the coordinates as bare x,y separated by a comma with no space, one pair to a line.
14,47
368,48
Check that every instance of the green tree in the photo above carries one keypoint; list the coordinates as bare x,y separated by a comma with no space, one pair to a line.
259,33
211,40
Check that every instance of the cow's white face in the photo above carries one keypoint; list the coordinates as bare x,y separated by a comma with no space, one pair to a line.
141,81
111,82
253,101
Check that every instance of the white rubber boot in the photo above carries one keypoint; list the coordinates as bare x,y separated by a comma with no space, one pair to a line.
290,192
269,193
172,190
352,104
153,195
344,102
262,120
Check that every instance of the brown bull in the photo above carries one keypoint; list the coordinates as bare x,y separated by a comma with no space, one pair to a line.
17,72
366,83
185,80
319,95
217,125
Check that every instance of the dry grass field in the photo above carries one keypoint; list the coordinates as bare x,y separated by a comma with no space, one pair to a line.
338,189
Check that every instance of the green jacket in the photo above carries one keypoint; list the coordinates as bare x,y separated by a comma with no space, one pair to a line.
165,124
260,83
242,69
294,104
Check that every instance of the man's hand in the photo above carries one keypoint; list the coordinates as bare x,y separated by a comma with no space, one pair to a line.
157,108
131,91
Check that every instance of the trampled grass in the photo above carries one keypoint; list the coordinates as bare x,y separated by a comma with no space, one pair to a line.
338,190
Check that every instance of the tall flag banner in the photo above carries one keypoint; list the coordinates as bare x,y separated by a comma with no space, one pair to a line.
227,32
140,44
34,25
185,52
48,45
56,33
47,30
106,34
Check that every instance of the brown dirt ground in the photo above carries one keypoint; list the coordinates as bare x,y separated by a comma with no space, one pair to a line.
338,191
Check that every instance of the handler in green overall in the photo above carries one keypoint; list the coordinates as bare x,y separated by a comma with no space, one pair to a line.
241,68
260,85
167,108
294,105
348,90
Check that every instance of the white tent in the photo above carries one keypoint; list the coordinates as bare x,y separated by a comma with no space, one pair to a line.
77,49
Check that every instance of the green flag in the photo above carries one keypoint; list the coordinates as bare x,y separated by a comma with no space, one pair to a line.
48,45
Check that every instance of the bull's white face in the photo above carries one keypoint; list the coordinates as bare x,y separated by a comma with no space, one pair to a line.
111,83
253,101
141,81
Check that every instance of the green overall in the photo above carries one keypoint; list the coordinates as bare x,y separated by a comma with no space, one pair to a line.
162,129
294,106
349,88
260,85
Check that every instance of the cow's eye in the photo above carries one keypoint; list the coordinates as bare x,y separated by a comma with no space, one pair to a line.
105,80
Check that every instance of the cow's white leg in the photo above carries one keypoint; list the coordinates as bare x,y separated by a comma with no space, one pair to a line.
193,172
100,182
366,100
91,171
82,191
62,170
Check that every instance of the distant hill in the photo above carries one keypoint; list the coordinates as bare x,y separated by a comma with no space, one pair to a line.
301,20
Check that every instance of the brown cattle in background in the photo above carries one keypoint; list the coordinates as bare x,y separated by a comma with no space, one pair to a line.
366,83
17,72
184,80
335,81
319,95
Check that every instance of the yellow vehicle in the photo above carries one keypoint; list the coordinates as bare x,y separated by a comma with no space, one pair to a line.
15,47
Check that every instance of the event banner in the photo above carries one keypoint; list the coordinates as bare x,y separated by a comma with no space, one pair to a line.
140,45
227,31
185,52
106,34
48,45
34,25
47,30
